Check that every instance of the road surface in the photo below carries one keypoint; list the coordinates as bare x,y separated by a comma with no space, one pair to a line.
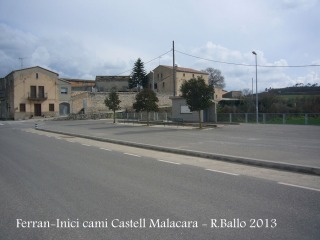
54,187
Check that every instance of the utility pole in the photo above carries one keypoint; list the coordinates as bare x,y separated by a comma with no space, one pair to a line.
257,107
174,71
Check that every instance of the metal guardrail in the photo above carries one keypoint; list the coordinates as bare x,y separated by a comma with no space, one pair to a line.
271,118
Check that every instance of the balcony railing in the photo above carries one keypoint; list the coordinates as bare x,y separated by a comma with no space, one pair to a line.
37,97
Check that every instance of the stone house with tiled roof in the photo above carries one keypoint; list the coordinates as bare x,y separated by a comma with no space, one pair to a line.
33,92
161,78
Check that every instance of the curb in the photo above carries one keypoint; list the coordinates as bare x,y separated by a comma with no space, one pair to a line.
225,158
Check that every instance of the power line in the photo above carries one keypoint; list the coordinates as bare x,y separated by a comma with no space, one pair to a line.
146,62
159,56
249,65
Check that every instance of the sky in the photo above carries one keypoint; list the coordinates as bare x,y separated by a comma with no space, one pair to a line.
83,39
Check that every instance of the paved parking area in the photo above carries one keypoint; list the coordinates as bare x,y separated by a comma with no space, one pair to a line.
280,143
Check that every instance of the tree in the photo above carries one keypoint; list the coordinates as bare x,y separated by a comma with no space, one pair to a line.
146,100
138,76
113,103
215,78
198,95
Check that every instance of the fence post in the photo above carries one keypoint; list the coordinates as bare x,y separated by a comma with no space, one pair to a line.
246,117
306,119
284,118
264,118
230,117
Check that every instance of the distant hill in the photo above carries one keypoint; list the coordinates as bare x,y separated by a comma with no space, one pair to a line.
301,90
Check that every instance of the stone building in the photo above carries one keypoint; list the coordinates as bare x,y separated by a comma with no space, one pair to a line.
64,89
80,84
161,78
33,92
107,83
181,110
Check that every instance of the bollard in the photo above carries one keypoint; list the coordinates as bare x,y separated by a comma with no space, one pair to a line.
36,125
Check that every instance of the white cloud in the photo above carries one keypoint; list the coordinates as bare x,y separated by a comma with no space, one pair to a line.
105,37
240,77
63,54
298,4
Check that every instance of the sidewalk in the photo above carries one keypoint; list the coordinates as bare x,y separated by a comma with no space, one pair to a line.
291,148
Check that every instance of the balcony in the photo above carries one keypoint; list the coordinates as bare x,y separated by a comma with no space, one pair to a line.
37,97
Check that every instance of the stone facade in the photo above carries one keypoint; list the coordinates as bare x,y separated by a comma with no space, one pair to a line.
30,92
161,78
64,96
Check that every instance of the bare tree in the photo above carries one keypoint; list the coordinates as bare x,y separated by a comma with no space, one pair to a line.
215,78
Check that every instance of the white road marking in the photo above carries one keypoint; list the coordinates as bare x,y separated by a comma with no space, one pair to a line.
292,185
169,162
70,141
106,149
87,145
234,174
130,154
1,124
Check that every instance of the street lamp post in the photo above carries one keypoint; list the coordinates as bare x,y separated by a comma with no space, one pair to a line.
257,108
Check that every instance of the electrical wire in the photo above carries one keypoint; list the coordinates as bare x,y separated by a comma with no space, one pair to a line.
146,62
250,65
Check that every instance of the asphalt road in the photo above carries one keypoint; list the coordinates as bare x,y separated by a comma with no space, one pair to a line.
280,143
47,178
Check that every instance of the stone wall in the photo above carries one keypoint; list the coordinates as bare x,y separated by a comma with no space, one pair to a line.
93,102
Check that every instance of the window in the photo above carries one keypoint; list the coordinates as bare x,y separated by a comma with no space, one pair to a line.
184,74
51,107
22,107
161,75
163,84
41,91
33,91
37,75
64,90
155,86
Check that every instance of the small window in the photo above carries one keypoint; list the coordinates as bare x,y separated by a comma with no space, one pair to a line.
155,86
64,90
184,74
163,84
22,107
161,75
37,75
51,107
